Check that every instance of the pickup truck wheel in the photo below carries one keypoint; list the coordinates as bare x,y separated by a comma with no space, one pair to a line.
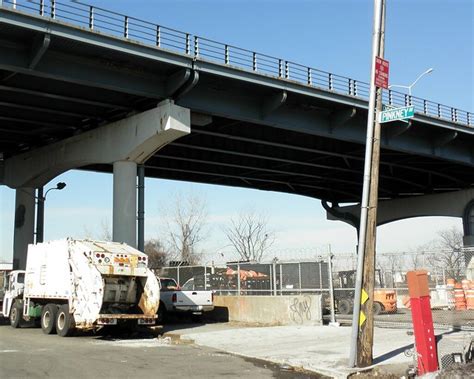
65,324
48,318
161,313
197,319
15,314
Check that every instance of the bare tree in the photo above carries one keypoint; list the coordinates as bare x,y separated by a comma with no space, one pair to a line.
105,231
250,236
448,253
185,223
390,266
157,255
103,234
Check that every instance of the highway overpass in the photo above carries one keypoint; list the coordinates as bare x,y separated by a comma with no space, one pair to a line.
86,88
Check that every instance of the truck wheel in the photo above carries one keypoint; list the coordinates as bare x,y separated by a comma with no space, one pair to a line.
15,314
161,313
377,308
344,306
197,319
65,324
48,318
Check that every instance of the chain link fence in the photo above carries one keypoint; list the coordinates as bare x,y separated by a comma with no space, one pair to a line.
451,283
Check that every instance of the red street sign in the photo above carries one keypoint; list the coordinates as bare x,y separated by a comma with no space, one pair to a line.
381,73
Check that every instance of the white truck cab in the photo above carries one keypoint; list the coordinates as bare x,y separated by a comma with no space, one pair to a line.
14,289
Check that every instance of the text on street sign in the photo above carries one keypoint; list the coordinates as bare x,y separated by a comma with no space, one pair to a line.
381,72
396,114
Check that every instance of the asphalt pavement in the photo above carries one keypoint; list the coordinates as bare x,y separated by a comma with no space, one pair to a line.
28,353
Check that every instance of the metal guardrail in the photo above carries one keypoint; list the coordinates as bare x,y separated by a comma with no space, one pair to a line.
133,29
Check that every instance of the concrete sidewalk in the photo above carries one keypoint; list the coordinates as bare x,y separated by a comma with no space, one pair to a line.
322,349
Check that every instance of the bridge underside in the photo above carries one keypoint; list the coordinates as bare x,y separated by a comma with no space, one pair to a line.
242,154
247,130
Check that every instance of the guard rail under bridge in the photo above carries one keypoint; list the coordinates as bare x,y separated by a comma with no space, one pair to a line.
257,121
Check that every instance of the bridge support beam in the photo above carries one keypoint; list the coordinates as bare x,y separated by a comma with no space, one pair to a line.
452,204
24,225
123,143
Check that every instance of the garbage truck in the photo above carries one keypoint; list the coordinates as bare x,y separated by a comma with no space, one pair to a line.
72,284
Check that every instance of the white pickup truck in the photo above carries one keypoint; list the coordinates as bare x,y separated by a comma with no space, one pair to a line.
175,300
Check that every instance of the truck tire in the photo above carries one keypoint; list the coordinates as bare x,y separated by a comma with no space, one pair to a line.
48,318
15,314
65,324
197,319
161,313
344,306
377,308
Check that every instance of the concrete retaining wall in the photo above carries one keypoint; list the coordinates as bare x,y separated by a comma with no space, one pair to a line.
269,310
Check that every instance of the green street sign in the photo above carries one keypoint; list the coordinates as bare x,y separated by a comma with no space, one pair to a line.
396,114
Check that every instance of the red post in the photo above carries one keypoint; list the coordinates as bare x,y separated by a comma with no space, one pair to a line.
425,341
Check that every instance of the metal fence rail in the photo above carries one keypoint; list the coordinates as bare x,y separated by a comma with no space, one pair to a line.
119,25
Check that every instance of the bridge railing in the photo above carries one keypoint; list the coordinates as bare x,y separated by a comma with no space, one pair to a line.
136,30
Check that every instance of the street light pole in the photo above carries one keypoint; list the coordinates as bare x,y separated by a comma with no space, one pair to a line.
39,215
429,71
40,210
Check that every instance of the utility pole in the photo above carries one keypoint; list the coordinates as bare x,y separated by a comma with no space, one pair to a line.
366,332
362,320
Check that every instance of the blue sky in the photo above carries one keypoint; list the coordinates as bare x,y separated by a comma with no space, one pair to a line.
331,35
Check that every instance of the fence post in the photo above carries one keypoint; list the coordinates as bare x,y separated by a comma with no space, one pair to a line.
53,8
196,46
299,275
274,277
287,70
41,7
238,280
158,35
310,79
205,277
188,44
331,289
91,17
330,82
177,275
281,280
125,27
254,61
320,276
226,54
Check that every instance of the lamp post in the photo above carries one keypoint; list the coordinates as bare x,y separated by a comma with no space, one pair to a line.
40,210
429,71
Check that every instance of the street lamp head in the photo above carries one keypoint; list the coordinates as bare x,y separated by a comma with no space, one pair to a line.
60,185
430,70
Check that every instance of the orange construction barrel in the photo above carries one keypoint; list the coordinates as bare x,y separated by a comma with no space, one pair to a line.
470,296
459,298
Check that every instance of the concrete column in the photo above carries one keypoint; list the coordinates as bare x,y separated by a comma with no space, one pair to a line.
468,224
141,208
39,216
124,227
24,225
